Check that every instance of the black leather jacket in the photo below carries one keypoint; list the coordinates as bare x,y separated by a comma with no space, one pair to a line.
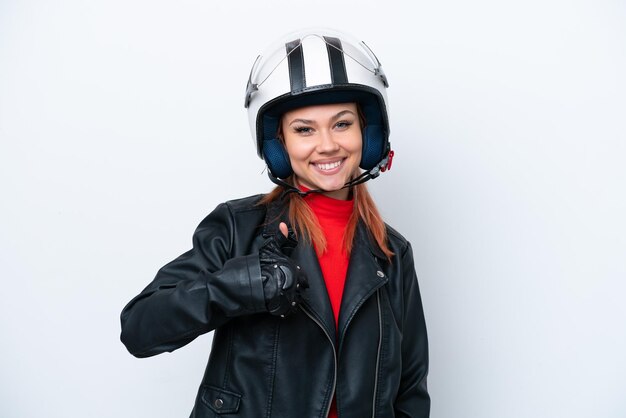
260,365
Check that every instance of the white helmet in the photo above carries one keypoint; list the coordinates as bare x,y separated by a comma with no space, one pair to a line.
317,67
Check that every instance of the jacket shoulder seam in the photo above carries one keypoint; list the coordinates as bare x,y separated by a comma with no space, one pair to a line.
402,242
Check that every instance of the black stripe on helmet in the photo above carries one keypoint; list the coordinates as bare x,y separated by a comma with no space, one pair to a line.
295,58
335,59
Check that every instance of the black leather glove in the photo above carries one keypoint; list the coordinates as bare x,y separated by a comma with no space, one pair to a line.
283,280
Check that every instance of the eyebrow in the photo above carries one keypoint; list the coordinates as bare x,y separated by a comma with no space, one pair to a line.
310,122
305,121
343,112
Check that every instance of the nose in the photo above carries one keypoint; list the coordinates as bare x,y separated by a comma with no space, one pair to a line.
327,143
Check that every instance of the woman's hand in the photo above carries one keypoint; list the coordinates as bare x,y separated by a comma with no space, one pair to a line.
283,280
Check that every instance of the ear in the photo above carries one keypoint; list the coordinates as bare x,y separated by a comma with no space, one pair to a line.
276,158
373,146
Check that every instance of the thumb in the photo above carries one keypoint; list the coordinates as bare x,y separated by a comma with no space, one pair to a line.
283,228
286,241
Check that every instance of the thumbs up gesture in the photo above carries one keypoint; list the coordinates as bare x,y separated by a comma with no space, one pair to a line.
283,280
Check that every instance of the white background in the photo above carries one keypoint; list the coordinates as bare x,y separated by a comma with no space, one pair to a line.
122,125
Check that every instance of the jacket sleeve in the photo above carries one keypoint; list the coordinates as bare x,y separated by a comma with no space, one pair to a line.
196,293
413,400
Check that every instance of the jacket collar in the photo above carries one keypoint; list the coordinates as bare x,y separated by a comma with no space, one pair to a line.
276,213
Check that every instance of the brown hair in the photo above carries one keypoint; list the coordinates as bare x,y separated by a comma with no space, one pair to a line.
305,225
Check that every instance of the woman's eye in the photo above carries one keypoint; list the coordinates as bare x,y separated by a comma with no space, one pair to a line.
343,124
302,129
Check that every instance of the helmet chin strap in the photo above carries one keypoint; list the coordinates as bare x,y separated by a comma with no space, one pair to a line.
381,167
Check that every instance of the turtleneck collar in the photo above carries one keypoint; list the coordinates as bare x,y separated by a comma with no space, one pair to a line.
328,208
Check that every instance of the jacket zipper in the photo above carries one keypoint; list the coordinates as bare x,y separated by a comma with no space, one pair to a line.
334,357
380,340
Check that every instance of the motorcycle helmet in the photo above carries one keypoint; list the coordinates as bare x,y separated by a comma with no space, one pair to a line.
311,67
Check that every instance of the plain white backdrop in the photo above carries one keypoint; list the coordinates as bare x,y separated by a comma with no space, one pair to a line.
122,125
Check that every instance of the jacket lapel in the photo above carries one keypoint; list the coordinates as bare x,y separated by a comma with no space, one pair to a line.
316,297
363,278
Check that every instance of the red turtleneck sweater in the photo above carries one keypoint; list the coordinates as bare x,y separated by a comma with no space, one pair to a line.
333,216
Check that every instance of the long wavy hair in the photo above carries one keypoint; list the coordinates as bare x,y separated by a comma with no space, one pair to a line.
305,225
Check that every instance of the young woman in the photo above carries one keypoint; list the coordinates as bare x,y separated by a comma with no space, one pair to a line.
313,298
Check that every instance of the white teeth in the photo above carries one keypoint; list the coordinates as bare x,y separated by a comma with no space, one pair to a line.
328,166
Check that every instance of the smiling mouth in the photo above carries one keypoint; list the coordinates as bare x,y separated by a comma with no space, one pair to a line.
328,166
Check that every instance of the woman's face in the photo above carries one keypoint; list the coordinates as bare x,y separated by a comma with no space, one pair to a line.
324,145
